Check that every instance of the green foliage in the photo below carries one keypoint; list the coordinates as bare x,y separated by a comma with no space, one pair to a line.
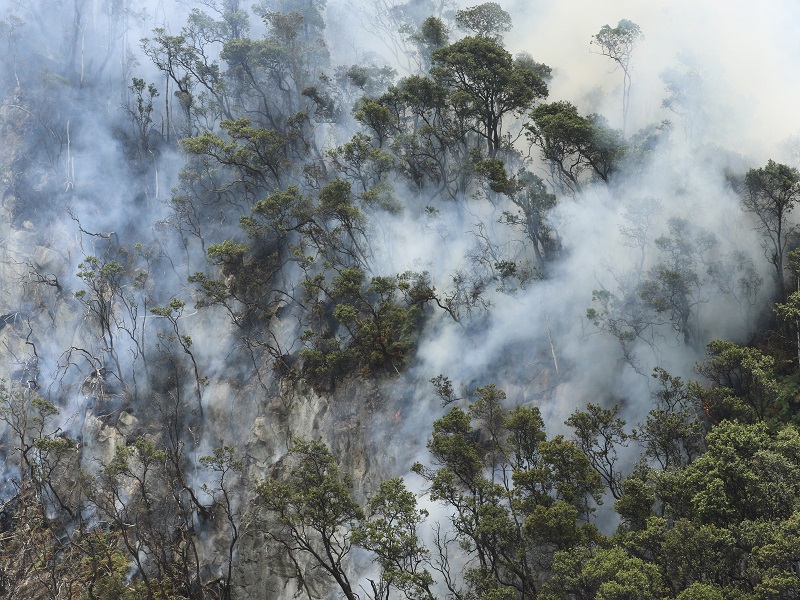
315,492
313,510
495,173
789,398
605,574
96,273
599,433
672,434
790,310
105,567
487,20
227,252
141,113
744,382
379,322
222,460
363,164
534,203
563,472
431,35
287,227
711,509
704,591
746,473
574,145
675,285
770,194
390,531
618,42
257,154
444,389
727,519
516,498
369,79
486,85
635,504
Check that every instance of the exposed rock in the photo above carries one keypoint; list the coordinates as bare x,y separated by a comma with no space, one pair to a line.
127,423
48,259
100,442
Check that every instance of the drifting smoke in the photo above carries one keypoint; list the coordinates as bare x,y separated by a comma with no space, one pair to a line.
741,57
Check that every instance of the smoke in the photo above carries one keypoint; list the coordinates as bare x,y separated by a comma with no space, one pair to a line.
742,56
72,190
740,59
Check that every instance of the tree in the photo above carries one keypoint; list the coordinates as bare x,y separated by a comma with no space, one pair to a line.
390,530
403,28
431,35
234,20
313,510
723,525
607,574
770,193
676,285
748,473
626,318
115,300
290,56
487,20
744,382
789,311
430,141
598,433
486,85
225,466
139,494
375,325
573,145
172,55
672,434
685,87
515,497
363,164
141,115
640,219
172,332
534,202
41,455
316,519
618,44
258,156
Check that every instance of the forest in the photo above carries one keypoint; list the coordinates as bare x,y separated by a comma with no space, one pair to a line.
399,299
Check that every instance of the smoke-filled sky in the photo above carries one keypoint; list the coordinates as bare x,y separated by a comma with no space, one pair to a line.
746,51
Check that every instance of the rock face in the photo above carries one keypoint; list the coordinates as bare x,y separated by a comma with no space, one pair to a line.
258,416
343,421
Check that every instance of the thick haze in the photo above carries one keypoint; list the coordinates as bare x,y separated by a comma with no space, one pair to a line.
744,52
70,191
745,57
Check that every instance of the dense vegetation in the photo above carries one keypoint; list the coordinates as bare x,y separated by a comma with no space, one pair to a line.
293,172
